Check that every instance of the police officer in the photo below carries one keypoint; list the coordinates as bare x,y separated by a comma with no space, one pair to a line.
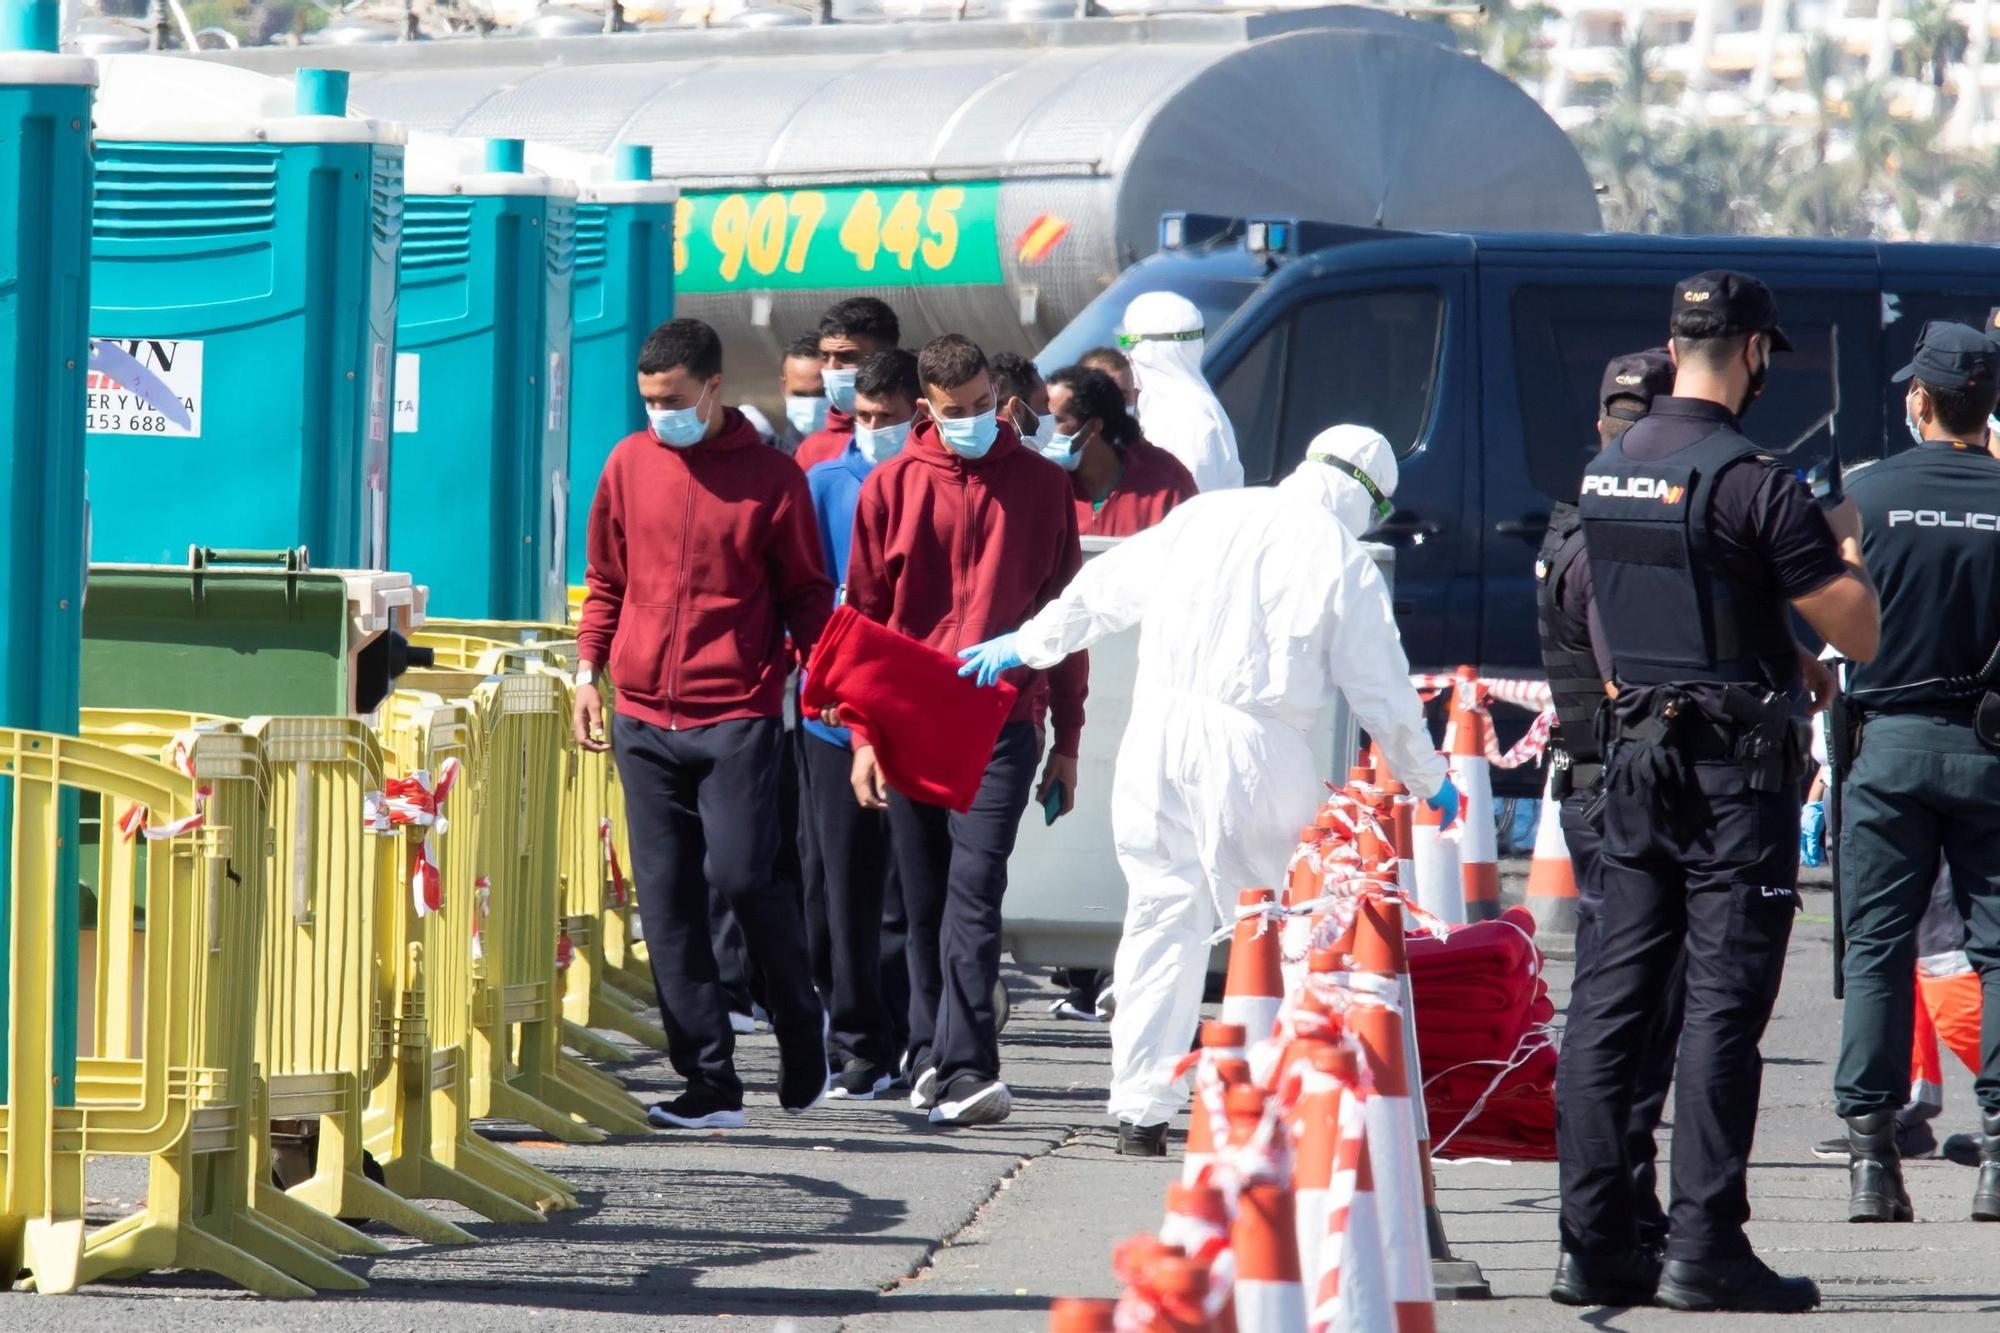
1925,781
1579,668
1700,548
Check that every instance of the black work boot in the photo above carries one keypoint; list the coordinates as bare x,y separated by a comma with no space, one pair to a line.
1986,1194
1745,1284
1617,1280
1875,1190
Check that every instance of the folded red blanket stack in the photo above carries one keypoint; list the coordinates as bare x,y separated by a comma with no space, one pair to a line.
1482,1006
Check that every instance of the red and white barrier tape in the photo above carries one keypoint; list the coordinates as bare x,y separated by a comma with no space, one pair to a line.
138,820
414,802
482,902
616,871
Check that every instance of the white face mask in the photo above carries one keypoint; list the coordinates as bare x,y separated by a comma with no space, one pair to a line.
679,427
882,443
1045,429
1916,432
806,412
839,385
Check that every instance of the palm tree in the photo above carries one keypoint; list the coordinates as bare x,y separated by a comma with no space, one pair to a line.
1716,180
1937,40
1514,38
1971,193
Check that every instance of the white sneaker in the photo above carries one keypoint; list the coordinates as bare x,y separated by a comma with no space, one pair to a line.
742,1024
923,1093
1063,1008
987,1104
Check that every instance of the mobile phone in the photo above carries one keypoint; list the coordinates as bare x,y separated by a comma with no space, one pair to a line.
1052,804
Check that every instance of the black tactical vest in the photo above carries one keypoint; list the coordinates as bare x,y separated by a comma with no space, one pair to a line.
1572,668
1669,615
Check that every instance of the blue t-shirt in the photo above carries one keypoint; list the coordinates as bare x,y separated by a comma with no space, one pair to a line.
836,489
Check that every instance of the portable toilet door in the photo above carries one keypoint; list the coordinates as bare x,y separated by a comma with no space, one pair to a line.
243,287
623,290
44,301
479,469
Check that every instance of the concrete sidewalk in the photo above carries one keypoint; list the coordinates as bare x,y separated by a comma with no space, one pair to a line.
861,1217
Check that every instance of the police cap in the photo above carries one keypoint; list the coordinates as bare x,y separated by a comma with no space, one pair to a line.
1732,302
1952,356
1642,375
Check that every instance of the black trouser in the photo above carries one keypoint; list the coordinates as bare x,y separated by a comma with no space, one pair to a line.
703,809
732,959
895,960
1707,869
853,848
808,877
1656,1063
792,868
954,873
1919,789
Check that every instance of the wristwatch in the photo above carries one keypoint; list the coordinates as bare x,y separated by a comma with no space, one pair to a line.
586,674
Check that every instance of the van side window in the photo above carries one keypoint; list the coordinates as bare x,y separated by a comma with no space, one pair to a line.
1251,395
1563,336
1364,358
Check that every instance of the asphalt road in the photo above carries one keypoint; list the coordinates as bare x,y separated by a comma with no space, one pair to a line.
863,1218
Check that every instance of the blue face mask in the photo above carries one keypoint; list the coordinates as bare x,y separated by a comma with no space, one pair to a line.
970,437
839,385
1045,429
883,443
679,427
806,412
1062,449
1915,433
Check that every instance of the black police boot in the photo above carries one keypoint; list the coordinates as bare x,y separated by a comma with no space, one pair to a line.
1141,1140
1986,1194
1745,1284
1596,1279
1875,1190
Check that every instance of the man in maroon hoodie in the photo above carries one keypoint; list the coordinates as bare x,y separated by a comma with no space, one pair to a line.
850,332
963,535
702,555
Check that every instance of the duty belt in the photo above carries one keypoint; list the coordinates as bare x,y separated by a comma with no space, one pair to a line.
1759,733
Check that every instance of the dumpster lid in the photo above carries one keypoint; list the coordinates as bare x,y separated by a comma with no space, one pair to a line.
175,99
596,177
45,69
447,164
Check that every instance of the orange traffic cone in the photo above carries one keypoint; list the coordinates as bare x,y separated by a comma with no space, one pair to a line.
1315,1129
1198,1225
1073,1314
1552,879
1361,775
1434,861
1302,886
1255,986
1478,849
1270,1295
1404,807
1221,1062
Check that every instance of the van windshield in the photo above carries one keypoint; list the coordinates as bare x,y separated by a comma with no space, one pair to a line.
1217,295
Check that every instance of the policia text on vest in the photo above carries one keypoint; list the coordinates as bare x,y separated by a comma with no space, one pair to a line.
1700,548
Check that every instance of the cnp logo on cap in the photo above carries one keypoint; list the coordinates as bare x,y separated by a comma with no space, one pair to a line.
1695,297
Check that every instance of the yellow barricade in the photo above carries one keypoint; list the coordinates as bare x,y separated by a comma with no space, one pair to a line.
519,1068
163,1085
607,985
419,1123
200,1201
324,1047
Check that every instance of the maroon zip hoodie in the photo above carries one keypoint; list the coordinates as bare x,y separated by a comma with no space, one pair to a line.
827,443
952,552
700,560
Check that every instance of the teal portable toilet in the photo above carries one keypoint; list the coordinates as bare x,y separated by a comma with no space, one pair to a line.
44,354
479,473
243,285
623,290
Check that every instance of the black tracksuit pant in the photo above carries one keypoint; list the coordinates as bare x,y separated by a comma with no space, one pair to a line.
702,804
1707,871
1655,1071
852,848
953,869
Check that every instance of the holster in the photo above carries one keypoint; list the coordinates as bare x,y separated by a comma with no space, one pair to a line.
1986,720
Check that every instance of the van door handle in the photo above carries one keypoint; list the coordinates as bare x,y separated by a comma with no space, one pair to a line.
1530,526
1404,526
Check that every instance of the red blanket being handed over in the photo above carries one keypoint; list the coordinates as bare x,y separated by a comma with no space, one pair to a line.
933,730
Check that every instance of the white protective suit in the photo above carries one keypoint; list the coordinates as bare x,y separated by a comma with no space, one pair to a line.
1177,410
1253,606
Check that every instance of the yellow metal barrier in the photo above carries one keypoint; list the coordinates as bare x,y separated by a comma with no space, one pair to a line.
419,1123
148,1096
200,1198
324,1047
519,1069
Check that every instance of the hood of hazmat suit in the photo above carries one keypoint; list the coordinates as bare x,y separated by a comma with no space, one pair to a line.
1164,337
1352,471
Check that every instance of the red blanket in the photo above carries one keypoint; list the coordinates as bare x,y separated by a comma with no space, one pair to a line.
933,730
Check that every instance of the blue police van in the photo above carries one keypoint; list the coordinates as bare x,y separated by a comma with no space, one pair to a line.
1479,356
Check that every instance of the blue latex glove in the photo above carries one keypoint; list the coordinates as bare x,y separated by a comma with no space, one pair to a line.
1446,804
987,660
1812,834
